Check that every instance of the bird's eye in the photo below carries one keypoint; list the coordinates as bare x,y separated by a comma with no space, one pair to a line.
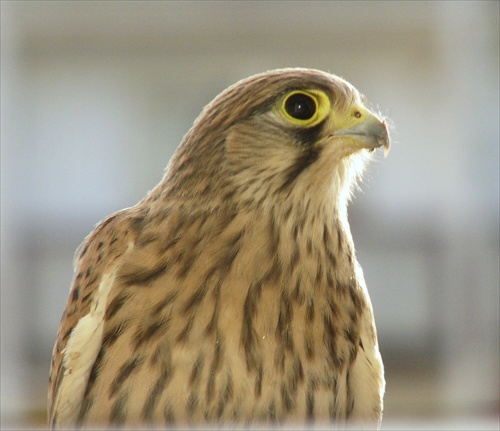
300,106
304,108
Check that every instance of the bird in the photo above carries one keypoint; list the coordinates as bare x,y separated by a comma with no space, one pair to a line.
231,293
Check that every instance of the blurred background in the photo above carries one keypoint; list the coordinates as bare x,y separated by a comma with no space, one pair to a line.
96,96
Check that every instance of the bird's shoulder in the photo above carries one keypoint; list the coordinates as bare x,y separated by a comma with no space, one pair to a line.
98,255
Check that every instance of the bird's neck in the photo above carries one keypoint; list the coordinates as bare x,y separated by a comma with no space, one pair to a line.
305,249
303,237
319,239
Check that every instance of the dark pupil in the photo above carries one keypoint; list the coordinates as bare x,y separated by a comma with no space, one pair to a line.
300,106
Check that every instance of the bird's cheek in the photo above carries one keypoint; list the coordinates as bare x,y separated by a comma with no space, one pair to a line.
237,148
336,148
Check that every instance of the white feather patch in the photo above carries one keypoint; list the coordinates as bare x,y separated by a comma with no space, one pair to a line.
80,354
367,384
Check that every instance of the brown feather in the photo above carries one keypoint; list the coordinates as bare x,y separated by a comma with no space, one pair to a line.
236,294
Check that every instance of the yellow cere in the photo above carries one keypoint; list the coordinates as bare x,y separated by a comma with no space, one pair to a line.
357,114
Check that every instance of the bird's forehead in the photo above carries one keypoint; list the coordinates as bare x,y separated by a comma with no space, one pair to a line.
276,84
258,94
262,91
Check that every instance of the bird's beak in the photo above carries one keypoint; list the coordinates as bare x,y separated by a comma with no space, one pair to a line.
370,133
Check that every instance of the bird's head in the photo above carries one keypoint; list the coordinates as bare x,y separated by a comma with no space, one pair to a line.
291,133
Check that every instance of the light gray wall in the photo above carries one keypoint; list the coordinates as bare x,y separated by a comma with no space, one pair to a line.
97,95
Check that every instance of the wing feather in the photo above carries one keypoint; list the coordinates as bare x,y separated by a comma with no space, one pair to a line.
80,333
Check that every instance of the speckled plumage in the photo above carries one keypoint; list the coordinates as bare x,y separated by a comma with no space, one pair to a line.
231,292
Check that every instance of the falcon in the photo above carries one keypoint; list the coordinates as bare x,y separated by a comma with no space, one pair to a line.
231,294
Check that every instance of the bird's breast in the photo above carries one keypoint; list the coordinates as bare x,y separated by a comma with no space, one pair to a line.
260,323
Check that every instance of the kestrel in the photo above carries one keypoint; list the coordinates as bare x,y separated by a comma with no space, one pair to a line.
231,293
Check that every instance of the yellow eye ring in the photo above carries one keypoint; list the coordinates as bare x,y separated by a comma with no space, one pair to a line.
305,108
